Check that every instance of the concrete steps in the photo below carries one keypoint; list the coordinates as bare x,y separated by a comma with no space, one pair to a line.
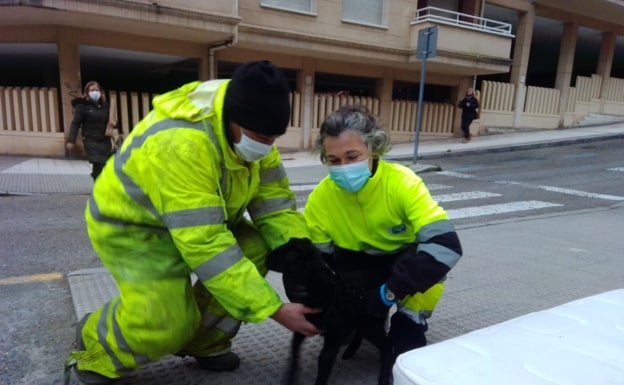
599,120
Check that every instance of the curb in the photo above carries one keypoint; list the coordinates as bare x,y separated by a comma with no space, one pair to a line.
508,148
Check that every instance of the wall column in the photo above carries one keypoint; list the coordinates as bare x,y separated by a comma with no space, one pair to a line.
384,93
69,76
305,84
565,66
522,50
206,65
605,59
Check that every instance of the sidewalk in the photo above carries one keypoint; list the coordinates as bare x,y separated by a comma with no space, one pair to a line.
19,175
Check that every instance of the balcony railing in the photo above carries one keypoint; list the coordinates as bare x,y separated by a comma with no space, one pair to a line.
444,16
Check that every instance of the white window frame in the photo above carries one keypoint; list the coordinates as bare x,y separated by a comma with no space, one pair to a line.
274,4
382,21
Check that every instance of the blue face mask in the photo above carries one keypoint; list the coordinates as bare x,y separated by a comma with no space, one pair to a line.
350,177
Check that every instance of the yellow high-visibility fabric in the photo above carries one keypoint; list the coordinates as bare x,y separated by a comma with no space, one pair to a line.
169,203
382,217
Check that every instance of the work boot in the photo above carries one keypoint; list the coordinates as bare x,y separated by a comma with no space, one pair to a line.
225,362
88,377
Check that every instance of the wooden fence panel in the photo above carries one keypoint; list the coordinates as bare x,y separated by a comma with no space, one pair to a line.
53,109
17,109
541,100
436,117
35,109
614,90
588,88
29,109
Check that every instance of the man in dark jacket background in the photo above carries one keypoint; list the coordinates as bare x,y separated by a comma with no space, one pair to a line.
469,105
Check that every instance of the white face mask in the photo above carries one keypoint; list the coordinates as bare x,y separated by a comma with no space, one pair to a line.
94,95
250,150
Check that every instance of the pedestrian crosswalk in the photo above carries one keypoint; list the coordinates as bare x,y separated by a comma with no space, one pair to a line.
477,211
469,197
478,203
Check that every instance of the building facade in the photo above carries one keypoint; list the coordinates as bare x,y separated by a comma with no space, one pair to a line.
539,63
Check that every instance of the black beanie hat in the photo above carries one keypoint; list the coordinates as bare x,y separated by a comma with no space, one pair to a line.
257,98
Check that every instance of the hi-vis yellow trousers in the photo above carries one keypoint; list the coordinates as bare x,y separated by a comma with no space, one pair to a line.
158,314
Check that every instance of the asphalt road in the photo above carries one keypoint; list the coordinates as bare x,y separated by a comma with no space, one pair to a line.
516,261
510,185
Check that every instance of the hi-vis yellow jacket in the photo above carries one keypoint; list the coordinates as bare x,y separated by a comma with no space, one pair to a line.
394,209
172,193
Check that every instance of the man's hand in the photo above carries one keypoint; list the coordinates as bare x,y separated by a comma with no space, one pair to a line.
292,317
70,146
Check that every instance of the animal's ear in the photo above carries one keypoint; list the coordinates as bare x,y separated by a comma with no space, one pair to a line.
289,254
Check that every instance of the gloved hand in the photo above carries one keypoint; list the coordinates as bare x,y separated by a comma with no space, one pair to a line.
375,304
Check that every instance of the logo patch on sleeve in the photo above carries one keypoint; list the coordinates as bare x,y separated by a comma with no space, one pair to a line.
398,229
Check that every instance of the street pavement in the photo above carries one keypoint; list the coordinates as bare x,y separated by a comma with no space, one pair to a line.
23,175
506,270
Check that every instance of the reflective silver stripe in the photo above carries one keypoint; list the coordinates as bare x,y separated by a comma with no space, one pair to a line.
194,217
132,189
272,174
94,210
102,331
327,248
218,263
434,229
227,325
213,138
377,252
440,253
266,206
122,344
419,316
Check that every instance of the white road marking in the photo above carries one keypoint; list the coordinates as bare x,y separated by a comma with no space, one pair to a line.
455,174
310,187
477,211
464,196
434,186
566,191
616,169
303,187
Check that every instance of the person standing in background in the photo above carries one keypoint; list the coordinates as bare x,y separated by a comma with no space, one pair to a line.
91,115
469,105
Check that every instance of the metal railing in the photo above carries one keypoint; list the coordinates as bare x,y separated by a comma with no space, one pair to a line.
444,16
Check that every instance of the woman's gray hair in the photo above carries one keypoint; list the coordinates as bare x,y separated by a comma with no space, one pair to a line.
358,119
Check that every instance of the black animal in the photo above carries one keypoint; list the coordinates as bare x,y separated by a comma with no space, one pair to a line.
342,297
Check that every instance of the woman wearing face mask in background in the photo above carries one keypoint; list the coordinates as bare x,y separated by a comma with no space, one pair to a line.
378,218
91,115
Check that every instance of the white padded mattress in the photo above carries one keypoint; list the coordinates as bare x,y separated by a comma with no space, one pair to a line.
578,343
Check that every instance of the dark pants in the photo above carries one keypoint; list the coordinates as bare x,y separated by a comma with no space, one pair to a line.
97,169
406,334
465,126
